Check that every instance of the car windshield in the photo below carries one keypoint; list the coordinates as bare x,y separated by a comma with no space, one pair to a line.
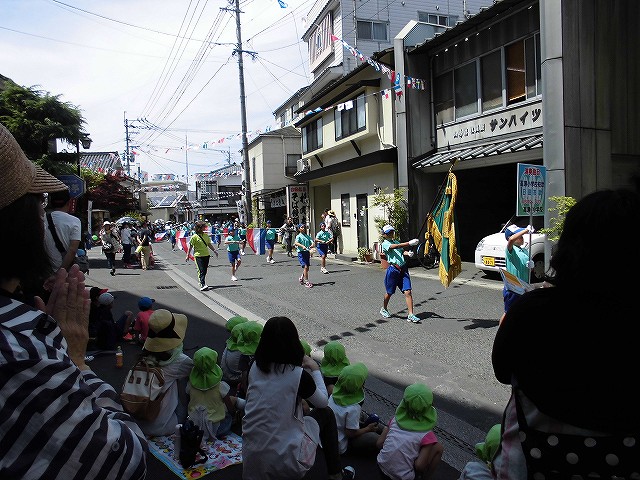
538,222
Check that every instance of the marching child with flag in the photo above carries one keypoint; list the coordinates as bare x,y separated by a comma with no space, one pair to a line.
397,275
270,241
233,251
303,244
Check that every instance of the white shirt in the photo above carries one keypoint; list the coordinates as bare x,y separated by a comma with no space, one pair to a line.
125,236
346,417
68,229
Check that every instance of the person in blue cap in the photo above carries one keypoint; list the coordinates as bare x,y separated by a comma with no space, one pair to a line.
516,260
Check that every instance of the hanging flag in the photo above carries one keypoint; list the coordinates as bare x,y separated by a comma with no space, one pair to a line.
441,225
255,239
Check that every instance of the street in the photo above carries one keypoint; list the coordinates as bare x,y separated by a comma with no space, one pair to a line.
450,351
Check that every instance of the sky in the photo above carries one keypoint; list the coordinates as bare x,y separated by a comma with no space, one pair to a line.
167,66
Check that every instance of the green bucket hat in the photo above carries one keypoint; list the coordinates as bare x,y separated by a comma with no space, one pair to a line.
249,337
334,360
233,321
415,412
306,347
348,390
232,341
206,373
487,449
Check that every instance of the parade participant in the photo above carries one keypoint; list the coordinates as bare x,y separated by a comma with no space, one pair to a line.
303,244
516,260
233,242
242,233
270,241
274,426
200,244
60,420
408,447
110,245
553,376
397,275
324,239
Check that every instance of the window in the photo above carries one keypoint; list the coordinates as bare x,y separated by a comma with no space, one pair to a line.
346,210
292,164
312,136
320,44
369,30
443,96
435,19
522,60
351,120
491,80
466,90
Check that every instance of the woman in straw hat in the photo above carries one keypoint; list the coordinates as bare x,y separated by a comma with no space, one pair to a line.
43,356
163,347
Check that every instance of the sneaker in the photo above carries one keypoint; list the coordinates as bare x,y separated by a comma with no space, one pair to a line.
113,273
272,261
301,279
348,473
324,270
241,252
308,284
128,337
413,319
234,278
204,287
385,313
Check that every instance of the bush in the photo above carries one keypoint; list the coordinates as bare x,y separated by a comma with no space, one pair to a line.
563,205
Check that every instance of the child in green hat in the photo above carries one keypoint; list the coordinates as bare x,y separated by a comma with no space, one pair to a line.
237,355
210,403
334,360
233,362
485,452
346,403
408,446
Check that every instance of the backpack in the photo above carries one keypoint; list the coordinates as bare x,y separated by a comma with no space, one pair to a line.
142,391
190,441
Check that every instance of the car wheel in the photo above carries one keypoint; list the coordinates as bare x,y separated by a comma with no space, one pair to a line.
537,274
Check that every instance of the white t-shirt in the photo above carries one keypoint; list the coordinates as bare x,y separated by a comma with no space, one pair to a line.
68,229
125,236
346,417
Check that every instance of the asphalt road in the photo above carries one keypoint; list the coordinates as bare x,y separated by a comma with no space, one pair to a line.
449,351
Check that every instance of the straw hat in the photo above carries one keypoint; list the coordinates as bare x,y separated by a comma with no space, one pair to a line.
21,175
332,213
166,331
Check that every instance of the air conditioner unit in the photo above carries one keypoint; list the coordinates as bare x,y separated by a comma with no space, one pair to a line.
304,165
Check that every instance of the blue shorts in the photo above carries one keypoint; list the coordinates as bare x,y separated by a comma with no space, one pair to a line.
269,244
397,278
303,258
509,297
233,256
323,248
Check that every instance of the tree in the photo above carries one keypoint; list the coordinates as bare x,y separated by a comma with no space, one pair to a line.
563,205
109,194
34,117
395,212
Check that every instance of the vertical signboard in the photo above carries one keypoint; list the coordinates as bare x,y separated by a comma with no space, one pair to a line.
531,186
298,203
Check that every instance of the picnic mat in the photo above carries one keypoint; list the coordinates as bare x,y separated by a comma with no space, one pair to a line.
220,454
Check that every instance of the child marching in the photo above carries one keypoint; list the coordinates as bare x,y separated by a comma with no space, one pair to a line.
303,244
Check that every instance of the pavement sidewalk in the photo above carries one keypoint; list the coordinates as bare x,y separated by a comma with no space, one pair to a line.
206,328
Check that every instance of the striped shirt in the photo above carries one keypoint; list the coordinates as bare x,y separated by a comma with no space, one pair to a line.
57,422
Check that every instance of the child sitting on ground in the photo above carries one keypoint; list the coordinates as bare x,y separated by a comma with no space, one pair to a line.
141,324
334,360
210,405
485,451
346,403
236,357
408,447
109,332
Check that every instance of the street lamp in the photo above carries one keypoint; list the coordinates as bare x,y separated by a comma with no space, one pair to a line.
86,144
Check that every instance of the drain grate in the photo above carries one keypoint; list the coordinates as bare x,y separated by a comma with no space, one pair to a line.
166,287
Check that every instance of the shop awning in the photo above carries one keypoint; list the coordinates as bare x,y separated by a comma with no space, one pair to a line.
480,151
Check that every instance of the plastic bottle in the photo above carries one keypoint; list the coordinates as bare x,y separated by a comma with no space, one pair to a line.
119,357
176,442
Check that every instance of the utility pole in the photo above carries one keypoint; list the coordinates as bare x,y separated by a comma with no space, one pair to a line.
243,113
126,129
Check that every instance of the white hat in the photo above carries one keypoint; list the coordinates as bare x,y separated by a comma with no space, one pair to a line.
106,222
387,229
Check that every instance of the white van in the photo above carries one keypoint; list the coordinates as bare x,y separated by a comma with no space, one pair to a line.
489,255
